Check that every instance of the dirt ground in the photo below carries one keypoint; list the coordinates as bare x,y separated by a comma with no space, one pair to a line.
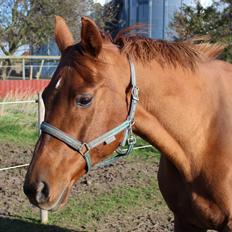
12,199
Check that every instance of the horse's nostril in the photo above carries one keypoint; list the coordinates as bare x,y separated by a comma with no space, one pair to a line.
28,189
42,192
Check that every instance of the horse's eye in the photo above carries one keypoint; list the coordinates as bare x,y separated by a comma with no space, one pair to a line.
84,100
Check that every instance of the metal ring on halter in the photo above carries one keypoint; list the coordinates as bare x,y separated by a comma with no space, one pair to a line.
135,93
131,140
86,147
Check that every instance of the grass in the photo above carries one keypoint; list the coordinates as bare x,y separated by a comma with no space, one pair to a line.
18,122
91,209
18,128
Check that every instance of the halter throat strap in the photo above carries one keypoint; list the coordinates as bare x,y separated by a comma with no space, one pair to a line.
84,148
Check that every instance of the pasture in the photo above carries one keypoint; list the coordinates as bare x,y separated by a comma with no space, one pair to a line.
122,197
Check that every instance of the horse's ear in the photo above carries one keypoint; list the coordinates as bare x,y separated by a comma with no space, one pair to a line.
91,38
63,36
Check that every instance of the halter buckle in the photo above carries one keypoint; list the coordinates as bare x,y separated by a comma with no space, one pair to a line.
131,140
135,93
84,149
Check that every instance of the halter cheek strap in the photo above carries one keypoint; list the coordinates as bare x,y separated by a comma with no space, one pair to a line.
84,148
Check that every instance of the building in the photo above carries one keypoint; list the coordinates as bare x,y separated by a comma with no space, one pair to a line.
156,14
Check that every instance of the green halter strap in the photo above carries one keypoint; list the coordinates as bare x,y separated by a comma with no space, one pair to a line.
108,137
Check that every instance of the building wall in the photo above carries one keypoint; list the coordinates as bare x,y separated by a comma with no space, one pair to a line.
157,20
157,14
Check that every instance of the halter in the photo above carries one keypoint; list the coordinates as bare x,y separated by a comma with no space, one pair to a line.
84,148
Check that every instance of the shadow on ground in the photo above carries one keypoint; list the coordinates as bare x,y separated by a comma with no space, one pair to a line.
17,225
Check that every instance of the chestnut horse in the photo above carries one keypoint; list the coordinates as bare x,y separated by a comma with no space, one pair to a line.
184,109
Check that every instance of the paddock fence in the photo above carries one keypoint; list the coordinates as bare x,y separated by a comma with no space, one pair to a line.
27,67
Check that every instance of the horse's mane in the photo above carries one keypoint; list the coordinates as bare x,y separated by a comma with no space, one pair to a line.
210,50
184,53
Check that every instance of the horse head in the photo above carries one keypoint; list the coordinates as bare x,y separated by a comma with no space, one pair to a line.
86,97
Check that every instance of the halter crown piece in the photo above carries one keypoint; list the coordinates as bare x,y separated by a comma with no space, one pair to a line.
84,148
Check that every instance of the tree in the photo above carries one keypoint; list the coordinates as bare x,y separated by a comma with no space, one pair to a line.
108,17
215,21
31,21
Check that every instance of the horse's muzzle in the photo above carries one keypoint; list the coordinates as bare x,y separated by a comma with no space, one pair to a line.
37,193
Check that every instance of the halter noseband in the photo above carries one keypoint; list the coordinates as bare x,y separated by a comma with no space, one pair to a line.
84,148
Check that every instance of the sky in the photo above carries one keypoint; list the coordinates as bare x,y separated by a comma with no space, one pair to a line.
100,1
206,3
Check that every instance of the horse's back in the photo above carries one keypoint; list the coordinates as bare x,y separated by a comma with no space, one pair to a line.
220,72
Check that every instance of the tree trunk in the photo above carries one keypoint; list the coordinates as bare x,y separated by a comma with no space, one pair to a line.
5,69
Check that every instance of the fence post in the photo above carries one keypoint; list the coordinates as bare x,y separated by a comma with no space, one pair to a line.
23,71
38,75
31,72
41,112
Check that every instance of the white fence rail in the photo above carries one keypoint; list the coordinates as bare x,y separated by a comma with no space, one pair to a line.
27,67
18,102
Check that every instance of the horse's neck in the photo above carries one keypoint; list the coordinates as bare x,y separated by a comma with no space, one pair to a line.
168,113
